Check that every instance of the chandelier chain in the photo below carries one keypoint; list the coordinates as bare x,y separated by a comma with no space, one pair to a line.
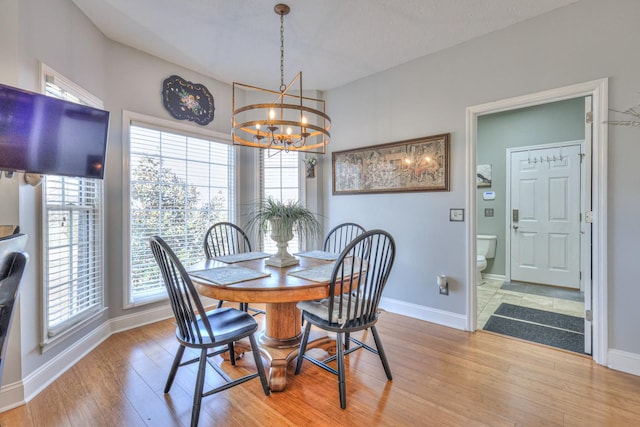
282,85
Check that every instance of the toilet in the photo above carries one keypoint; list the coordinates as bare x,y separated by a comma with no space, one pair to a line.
486,249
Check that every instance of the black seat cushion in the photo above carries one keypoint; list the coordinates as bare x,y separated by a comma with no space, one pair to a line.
227,324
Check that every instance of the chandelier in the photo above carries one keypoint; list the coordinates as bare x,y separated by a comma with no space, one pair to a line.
281,120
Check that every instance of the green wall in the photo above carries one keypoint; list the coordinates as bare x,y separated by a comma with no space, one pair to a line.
544,124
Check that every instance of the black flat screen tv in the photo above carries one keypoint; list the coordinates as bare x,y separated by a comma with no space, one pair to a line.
49,136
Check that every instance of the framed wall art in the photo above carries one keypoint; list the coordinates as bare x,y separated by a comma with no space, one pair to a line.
420,164
483,175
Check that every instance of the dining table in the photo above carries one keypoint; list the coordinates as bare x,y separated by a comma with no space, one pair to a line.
247,278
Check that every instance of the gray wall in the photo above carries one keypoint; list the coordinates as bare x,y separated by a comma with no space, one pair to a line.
556,122
587,40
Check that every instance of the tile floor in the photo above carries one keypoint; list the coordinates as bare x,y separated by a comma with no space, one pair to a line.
490,296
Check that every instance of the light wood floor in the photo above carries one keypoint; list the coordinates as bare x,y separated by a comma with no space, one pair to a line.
442,376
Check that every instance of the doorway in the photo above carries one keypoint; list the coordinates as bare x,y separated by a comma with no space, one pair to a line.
596,151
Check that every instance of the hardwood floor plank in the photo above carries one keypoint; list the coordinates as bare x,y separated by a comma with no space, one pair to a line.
442,377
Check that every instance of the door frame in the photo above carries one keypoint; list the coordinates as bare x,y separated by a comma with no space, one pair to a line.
598,90
585,243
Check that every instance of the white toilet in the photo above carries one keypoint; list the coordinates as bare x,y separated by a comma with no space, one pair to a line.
486,248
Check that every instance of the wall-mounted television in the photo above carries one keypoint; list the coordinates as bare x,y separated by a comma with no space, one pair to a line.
49,136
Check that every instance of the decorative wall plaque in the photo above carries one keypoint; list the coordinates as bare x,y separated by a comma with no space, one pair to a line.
187,101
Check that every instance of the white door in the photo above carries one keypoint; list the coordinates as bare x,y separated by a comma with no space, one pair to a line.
544,210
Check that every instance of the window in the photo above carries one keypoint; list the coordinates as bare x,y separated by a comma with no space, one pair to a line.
281,181
73,235
178,186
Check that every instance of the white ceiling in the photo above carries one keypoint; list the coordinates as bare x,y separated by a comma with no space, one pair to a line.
333,42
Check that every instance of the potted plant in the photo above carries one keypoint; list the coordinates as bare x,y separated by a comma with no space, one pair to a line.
282,219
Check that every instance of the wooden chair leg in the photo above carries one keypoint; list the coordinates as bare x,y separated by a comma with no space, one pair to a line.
303,347
174,368
197,394
341,374
383,356
220,304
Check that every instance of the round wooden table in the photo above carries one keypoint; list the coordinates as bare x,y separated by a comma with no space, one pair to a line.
279,292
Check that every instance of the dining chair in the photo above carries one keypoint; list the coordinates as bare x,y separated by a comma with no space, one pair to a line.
215,330
13,262
226,238
340,236
357,281
337,239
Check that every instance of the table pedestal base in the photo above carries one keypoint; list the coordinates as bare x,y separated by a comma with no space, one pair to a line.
279,341
279,358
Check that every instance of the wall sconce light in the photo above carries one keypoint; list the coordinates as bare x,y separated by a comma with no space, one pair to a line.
443,284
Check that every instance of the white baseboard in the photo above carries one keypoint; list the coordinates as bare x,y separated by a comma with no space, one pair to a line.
12,396
130,321
18,393
624,361
494,276
428,314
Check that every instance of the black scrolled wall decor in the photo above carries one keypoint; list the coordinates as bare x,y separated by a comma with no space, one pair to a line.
187,101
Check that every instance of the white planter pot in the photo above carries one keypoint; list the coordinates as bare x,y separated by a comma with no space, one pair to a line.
282,258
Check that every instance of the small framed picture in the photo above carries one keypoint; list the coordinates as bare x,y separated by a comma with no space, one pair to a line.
483,175
456,214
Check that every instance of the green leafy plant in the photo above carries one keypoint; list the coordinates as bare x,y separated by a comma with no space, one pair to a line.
290,216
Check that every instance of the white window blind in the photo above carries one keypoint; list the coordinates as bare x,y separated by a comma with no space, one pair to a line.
280,181
73,236
73,258
179,186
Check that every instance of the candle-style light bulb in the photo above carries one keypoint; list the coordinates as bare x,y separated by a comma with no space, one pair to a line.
289,130
272,116
303,129
258,137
